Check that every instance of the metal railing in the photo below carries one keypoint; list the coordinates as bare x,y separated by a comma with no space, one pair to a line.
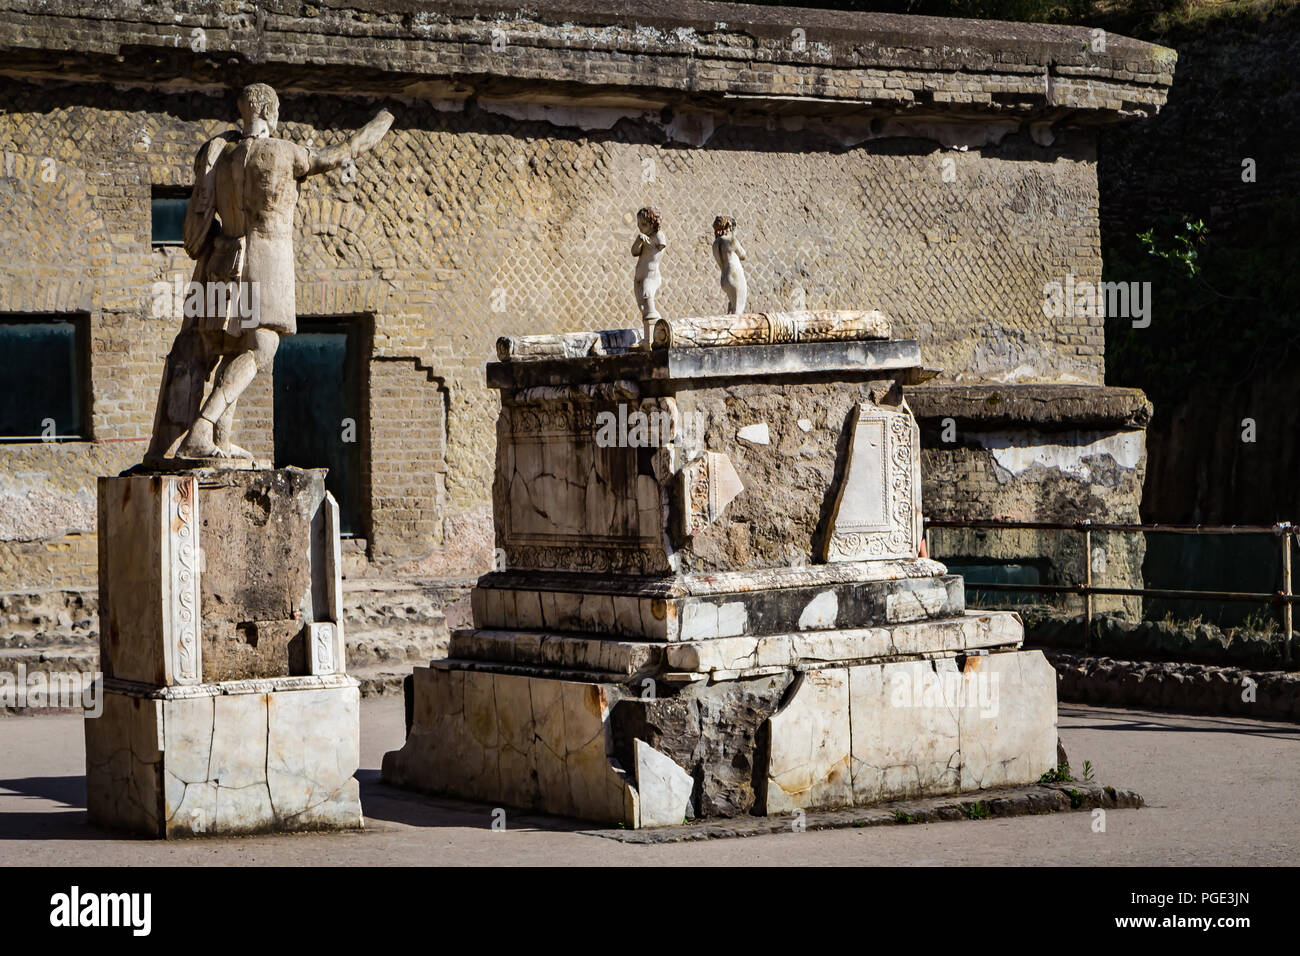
1284,596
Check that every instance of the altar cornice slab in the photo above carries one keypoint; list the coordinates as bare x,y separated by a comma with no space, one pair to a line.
893,358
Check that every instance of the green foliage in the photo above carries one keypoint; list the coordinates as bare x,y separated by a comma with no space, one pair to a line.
1058,774
1076,798
979,810
1262,621
1182,248
1087,770
1220,312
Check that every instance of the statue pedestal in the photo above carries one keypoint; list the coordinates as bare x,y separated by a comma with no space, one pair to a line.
227,708
712,601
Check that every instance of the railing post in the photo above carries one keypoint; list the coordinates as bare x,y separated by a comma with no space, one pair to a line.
1087,585
1286,592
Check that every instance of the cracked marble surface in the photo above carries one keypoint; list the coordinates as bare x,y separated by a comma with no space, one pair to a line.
874,732
528,742
226,764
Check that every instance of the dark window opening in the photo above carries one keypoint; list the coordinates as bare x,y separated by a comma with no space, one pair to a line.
168,207
320,417
43,390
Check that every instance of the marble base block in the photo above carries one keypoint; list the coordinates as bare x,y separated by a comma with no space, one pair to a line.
855,736
227,705
789,739
246,757
518,741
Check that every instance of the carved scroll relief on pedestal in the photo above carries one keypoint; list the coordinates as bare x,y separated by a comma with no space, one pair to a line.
877,511
181,602
325,643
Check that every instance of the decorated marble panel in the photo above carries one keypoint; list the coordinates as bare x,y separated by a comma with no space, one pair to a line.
877,513
579,479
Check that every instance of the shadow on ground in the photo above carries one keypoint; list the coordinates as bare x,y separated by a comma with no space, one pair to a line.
1097,718
379,801
66,823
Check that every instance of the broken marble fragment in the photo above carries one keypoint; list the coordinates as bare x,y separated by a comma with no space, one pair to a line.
664,788
710,483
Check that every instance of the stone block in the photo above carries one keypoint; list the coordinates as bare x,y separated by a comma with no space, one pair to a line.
215,576
663,788
542,743
149,578
1014,740
705,607
908,745
252,757
124,767
810,745
877,732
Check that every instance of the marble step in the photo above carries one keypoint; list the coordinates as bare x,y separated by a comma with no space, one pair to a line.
621,661
721,606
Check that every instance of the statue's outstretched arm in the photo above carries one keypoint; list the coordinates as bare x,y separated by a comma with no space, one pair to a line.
363,140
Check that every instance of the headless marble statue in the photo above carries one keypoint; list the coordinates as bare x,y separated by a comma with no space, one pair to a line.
239,230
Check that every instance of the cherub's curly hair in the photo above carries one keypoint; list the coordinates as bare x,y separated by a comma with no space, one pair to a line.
724,224
651,213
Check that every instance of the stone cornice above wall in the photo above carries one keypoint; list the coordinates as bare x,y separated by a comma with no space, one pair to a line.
1046,407
623,55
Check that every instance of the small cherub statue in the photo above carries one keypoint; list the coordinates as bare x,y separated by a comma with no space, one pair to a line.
648,247
728,253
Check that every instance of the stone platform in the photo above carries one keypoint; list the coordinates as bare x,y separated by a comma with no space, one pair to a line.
227,707
713,600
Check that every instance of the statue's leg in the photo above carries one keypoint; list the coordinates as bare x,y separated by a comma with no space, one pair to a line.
651,292
236,373
221,434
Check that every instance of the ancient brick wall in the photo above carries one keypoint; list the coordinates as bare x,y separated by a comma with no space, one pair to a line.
460,229
502,202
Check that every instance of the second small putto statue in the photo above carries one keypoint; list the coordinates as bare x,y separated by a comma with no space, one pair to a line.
728,253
